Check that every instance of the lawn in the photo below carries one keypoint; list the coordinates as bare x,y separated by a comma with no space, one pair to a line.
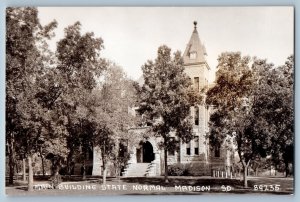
156,185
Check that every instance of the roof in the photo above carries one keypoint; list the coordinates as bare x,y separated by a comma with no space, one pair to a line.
194,46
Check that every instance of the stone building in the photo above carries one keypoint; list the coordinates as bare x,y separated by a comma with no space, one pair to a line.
146,158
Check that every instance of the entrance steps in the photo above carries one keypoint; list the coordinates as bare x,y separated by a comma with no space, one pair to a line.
137,170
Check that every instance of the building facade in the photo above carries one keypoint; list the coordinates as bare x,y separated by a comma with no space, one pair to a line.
147,159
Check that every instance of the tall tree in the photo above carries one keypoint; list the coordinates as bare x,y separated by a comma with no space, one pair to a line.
79,67
166,97
230,97
25,62
111,115
249,103
273,103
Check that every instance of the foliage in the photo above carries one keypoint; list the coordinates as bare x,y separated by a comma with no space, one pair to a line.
249,102
273,103
26,119
111,115
166,97
178,170
79,66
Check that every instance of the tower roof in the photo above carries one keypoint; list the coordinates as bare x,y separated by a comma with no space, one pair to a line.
195,51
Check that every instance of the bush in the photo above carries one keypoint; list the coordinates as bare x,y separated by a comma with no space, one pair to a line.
190,169
55,180
199,169
178,170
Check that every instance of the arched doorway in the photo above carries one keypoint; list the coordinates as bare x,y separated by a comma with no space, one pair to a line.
148,154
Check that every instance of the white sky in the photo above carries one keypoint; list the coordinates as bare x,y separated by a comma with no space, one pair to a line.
132,34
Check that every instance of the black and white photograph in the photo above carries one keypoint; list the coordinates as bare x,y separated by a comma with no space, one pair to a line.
149,101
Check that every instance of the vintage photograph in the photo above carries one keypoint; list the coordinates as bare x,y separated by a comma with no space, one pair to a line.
149,100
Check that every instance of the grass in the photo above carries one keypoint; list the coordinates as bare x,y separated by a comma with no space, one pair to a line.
153,185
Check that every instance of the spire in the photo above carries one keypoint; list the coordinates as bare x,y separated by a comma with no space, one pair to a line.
195,26
195,51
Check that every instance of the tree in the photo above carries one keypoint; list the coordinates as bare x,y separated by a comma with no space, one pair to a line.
111,116
231,97
248,105
78,69
25,118
273,103
165,99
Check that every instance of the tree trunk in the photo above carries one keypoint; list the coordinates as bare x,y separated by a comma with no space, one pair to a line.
245,176
69,161
84,170
30,174
166,165
43,165
117,171
286,169
52,167
104,173
11,159
17,167
24,169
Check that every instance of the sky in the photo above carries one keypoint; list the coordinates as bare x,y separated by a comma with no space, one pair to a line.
132,35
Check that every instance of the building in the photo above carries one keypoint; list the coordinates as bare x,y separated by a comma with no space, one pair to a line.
146,158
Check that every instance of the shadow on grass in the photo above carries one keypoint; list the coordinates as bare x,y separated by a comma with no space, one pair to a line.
16,183
22,188
184,181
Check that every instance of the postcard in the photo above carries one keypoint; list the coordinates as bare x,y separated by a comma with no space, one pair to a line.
149,100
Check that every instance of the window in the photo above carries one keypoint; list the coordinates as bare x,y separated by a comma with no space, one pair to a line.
196,83
188,151
190,81
188,148
122,148
196,116
196,145
193,55
217,149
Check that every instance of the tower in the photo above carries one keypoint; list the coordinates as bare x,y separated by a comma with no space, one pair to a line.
197,69
195,61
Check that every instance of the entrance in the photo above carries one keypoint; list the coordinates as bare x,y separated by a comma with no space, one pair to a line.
148,154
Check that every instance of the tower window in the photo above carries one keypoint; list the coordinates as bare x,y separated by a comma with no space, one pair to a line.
196,83
193,55
196,140
196,116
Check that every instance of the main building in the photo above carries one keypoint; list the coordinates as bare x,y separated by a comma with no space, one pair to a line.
146,158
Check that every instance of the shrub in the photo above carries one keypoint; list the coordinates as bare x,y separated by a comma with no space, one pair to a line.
199,169
178,170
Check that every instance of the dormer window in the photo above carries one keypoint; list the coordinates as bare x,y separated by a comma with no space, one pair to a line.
193,55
